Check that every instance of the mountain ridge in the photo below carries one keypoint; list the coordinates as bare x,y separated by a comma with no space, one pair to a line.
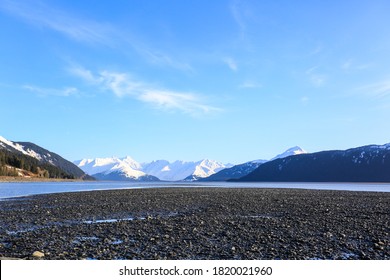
161,169
370,163
179,170
27,159
245,168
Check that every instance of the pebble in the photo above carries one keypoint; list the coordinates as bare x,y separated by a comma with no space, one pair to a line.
205,222
38,254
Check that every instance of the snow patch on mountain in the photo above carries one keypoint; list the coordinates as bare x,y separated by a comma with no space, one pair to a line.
162,169
124,168
169,171
9,144
43,156
166,171
180,170
114,169
97,165
259,161
244,169
290,152
207,167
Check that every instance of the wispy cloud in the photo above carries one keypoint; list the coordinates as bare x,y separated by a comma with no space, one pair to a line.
44,16
377,90
242,14
237,13
124,85
160,58
351,65
250,85
231,63
186,102
304,100
317,79
318,49
346,65
89,31
40,91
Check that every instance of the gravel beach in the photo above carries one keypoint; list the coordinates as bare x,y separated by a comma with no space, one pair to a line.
197,223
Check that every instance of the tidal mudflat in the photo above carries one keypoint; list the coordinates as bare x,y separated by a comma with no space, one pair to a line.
197,223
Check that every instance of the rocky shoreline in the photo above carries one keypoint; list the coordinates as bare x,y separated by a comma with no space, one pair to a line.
20,179
197,223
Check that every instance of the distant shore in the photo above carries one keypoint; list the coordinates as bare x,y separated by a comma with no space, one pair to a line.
10,179
197,223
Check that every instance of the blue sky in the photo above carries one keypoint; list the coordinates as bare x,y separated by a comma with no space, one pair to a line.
176,79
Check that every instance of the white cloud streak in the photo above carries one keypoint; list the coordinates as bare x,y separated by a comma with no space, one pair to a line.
40,91
123,85
43,16
304,100
159,58
316,78
185,102
88,31
242,13
317,50
350,65
237,13
377,90
231,63
250,85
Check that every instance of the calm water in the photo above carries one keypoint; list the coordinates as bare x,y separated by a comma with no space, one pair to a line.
8,190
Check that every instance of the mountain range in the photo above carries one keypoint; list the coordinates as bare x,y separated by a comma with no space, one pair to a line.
203,170
130,170
362,164
244,169
369,163
30,160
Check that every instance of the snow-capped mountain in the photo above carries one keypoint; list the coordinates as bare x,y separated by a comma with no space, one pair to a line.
18,148
206,168
161,169
244,169
123,172
362,164
57,166
117,169
234,172
290,152
99,165
166,171
183,170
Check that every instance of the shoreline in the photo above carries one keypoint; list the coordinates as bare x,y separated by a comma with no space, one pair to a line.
9,190
198,223
10,179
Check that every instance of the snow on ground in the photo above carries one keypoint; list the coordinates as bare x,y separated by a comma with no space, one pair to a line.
19,148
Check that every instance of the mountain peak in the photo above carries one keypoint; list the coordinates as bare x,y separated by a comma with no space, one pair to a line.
361,164
32,158
296,150
162,169
128,158
207,161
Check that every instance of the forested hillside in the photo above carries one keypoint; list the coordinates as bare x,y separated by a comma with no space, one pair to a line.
12,164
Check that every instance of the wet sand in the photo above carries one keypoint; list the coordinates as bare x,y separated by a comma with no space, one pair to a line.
197,223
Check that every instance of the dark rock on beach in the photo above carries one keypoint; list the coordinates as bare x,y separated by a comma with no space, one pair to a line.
197,223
